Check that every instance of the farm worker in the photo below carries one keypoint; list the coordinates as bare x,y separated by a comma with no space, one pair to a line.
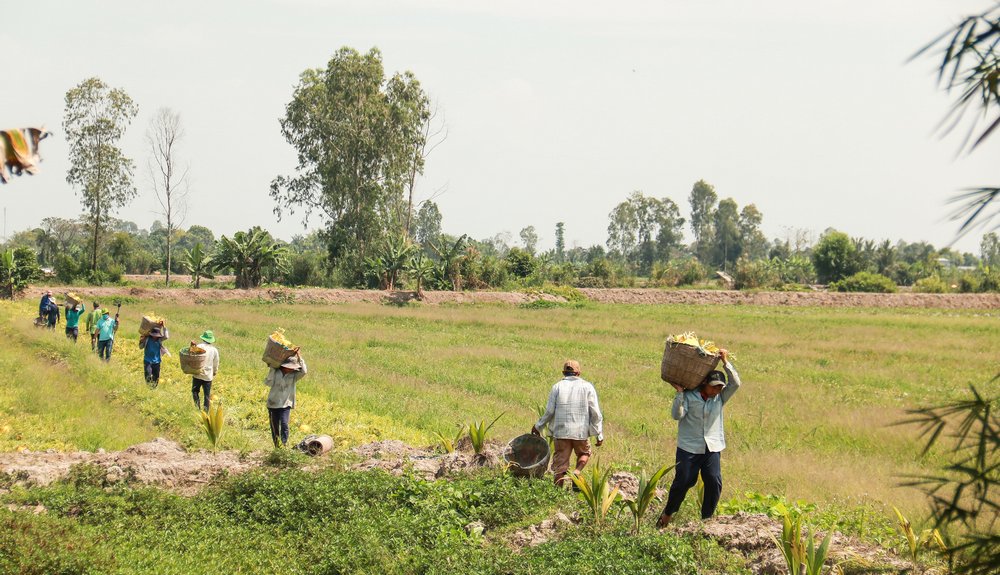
46,301
106,335
204,379
53,314
153,348
92,318
574,415
73,314
700,439
281,398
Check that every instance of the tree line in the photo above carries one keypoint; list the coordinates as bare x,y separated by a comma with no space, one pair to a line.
362,139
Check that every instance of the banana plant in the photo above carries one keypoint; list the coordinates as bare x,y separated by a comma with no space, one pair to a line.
645,495
596,491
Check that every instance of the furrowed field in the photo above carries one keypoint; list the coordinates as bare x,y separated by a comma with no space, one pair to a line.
814,420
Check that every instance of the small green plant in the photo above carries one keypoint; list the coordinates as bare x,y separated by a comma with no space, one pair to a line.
596,491
448,444
645,495
213,420
477,433
928,538
799,554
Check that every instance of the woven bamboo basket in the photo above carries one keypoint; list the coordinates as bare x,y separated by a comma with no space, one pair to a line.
146,325
72,299
275,354
686,365
192,363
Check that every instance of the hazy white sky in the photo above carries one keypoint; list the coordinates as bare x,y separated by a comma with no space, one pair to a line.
556,110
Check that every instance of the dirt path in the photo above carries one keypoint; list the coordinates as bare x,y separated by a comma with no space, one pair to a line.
990,301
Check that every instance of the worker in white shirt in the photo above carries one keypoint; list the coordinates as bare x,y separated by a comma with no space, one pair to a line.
573,415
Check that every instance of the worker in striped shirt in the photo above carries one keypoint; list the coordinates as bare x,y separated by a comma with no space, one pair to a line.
573,415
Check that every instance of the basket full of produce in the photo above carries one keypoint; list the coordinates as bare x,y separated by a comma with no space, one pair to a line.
278,349
192,359
149,321
72,299
687,360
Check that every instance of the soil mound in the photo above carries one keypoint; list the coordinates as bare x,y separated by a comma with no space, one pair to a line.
397,458
159,462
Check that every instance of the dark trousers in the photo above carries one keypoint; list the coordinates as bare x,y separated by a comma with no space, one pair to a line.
152,372
104,349
196,385
686,476
279,424
72,333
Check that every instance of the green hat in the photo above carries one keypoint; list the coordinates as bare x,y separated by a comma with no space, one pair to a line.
208,336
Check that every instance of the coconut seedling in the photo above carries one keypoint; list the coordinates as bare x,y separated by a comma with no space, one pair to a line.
645,495
928,538
596,491
478,431
448,444
213,420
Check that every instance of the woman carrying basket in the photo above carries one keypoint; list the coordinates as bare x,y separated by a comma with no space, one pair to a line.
700,439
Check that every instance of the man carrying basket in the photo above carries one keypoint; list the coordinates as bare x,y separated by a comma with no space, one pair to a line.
700,439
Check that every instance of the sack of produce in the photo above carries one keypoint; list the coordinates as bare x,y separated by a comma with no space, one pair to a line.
278,349
149,321
72,299
192,359
687,360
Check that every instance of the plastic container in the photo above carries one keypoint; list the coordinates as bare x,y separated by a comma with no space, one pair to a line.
686,365
527,455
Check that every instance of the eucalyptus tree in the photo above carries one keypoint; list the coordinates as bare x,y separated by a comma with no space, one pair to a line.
359,138
167,174
95,119
642,230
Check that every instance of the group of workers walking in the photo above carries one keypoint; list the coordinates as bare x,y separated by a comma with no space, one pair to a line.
572,412
573,415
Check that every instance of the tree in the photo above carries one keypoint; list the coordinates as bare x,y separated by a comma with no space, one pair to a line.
427,227
834,257
520,262
356,134
529,237
95,119
702,200
18,268
560,242
249,254
199,264
989,250
167,176
753,243
642,230
726,227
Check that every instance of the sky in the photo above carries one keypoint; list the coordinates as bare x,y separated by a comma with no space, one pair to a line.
555,111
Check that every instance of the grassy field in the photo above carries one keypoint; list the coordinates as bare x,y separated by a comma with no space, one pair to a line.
822,387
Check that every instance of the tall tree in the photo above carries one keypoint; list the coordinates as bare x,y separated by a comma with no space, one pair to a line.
95,119
702,201
168,176
753,243
642,230
427,228
989,250
560,242
355,133
726,227
529,237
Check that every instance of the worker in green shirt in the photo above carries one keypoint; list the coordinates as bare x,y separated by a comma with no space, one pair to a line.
92,319
73,314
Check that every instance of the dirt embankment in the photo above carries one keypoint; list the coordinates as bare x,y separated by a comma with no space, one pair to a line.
611,296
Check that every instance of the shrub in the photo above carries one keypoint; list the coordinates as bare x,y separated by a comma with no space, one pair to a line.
37,544
520,262
865,282
932,284
755,274
969,283
835,257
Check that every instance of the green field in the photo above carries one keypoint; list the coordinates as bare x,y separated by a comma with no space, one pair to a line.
822,387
